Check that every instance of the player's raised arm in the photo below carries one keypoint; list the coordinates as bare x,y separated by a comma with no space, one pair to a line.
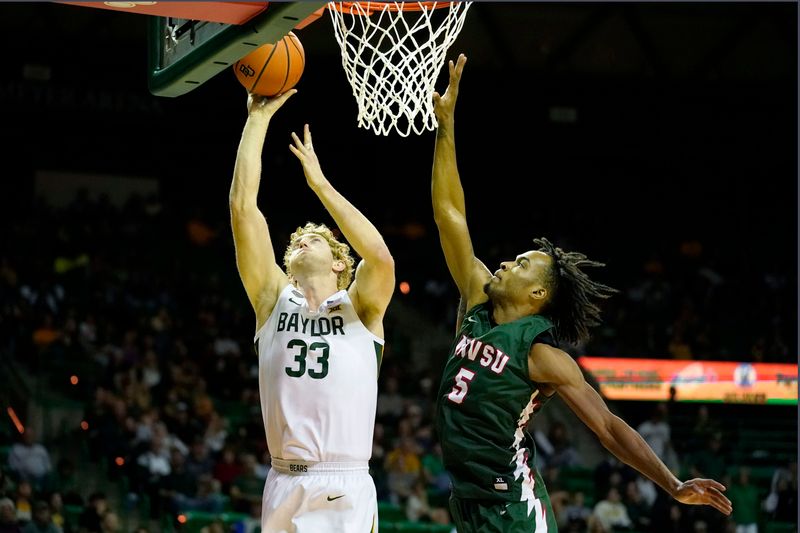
449,209
556,368
263,279
374,281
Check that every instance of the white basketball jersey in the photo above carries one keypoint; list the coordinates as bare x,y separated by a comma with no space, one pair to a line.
318,379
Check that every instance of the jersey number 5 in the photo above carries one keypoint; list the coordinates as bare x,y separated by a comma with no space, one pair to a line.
461,387
321,349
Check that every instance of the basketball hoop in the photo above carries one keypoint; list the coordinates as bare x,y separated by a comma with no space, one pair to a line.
392,53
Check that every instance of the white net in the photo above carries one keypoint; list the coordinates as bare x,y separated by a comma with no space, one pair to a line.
392,58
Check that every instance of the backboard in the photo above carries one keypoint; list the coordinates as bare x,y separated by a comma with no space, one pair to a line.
186,52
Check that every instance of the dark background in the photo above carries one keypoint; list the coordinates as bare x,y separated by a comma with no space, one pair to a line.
686,131
686,125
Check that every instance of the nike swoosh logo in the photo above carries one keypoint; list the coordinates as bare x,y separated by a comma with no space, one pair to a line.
295,303
471,319
335,498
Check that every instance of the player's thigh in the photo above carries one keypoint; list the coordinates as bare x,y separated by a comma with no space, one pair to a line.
475,516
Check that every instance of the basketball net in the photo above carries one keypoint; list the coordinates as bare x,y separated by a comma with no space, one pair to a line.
392,53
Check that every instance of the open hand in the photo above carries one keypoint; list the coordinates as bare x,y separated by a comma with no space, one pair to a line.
444,105
304,151
704,492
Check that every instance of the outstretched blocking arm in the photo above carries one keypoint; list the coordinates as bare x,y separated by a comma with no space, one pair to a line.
262,278
374,280
449,207
556,368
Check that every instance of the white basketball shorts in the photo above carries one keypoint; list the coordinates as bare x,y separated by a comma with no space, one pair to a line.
306,497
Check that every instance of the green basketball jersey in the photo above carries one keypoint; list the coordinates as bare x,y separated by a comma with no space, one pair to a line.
485,401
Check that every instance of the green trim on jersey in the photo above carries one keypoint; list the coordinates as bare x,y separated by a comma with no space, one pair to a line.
484,403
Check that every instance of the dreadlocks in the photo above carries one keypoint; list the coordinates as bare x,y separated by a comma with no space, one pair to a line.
571,307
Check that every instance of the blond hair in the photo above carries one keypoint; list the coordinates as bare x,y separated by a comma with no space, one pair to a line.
339,250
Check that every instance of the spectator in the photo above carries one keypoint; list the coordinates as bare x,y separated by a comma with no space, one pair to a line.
611,472
656,432
263,467
111,432
563,453
247,489
179,484
42,520
638,509
553,481
145,426
227,469
377,461
744,498
576,515
185,426
91,518
435,475
216,526
152,469
199,462
781,503
8,517
667,516
710,461
29,460
109,523
417,506
704,427
419,509
6,484
205,497
167,440
390,402
216,433
150,371
66,483
611,514
647,490
23,501
57,509
403,467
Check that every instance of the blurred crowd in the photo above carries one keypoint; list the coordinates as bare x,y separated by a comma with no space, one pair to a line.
136,311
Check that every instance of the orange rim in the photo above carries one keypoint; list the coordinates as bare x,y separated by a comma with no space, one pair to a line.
370,7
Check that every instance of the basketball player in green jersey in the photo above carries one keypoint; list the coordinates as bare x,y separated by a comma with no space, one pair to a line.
504,365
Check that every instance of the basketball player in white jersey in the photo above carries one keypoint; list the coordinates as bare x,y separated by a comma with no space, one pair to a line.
319,344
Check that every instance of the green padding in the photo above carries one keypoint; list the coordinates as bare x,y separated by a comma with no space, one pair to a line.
780,527
221,50
390,512
578,479
196,520
72,514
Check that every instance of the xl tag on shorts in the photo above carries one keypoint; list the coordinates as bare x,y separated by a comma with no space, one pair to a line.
500,483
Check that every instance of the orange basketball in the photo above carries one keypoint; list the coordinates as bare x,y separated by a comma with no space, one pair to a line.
272,69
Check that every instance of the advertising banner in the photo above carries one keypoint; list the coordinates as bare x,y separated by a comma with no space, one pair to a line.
694,381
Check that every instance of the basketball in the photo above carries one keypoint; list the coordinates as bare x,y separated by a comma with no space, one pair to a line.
272,69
